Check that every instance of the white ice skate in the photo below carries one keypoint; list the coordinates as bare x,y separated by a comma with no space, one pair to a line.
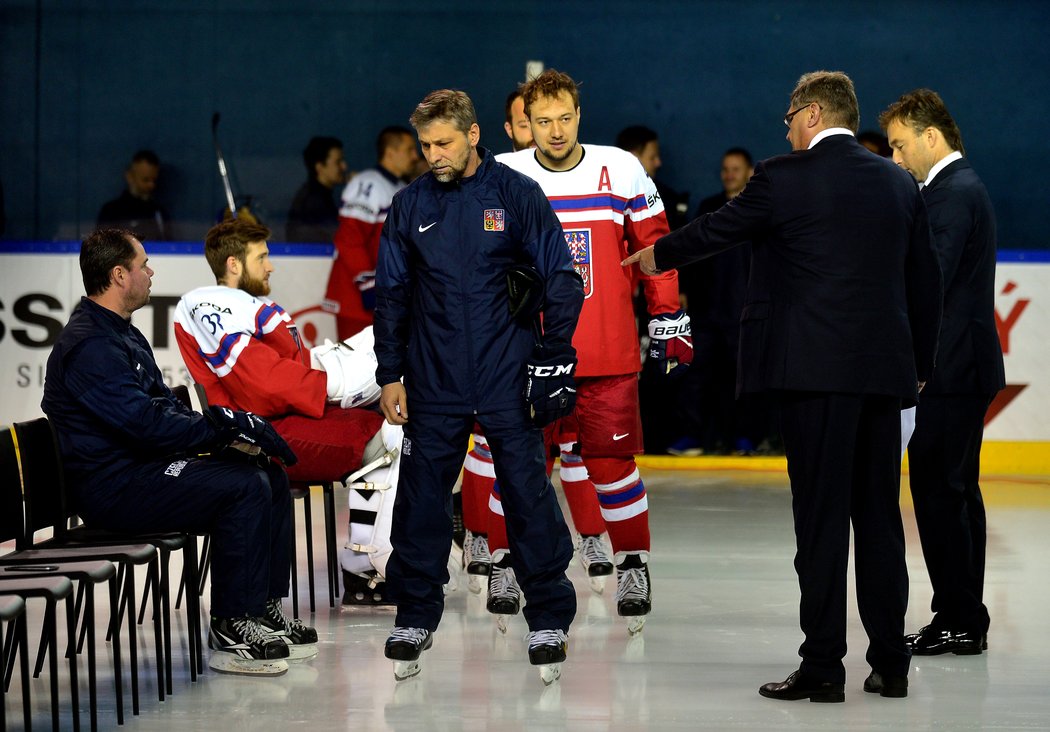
595,561
633,594
504,593
547,651
404,647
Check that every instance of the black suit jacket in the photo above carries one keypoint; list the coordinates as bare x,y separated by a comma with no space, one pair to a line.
969,358
845,289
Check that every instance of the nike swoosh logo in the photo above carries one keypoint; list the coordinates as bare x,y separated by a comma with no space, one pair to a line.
620,437
424,228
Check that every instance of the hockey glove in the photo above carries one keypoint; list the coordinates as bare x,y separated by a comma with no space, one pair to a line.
671,342
550,390
252,429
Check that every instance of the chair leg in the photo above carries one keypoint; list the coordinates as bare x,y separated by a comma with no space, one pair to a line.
205,564
89,621
41,651
164,596
9,653
127,605
294,563
329,534
193,619
23,652
158,629
118,670
74,684
309,521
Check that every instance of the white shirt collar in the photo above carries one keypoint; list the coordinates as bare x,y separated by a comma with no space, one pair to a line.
941,165
828,133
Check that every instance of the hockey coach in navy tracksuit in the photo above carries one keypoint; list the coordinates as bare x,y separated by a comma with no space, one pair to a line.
443,325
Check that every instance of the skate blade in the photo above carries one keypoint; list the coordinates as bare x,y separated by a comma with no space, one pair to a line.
475,582
501,623
549,673
635,625
227,663
597,584
301,651
406,669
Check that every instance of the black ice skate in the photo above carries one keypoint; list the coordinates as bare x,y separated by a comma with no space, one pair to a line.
504,593
595,561
476,560
633,596
300,638
245,646
404,647
547,650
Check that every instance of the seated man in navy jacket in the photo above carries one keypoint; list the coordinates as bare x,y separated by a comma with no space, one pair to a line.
132,452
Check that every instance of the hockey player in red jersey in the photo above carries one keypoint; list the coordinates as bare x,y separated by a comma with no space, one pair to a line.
246,352
608,208
366,199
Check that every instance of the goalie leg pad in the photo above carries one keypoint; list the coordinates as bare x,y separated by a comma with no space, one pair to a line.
372,491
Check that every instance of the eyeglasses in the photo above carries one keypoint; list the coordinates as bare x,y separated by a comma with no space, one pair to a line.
791,115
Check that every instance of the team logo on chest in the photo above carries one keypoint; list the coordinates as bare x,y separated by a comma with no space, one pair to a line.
494,219
579,241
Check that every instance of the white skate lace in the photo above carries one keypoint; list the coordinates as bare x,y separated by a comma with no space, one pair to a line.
476,549
632,584
504,586
276,612
538,638
251,631
592,550
415,636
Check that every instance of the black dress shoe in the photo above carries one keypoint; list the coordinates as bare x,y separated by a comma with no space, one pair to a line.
895,687
797,686
932,641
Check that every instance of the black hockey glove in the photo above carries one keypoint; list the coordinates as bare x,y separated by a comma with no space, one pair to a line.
550,390
671,342
250,428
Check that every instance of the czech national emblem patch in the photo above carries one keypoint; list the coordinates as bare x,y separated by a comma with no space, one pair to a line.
494,219
579,241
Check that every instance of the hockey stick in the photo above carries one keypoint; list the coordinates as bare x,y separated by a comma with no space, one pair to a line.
222,165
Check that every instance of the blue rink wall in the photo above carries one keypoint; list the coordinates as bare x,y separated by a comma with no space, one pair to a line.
40,284
87,83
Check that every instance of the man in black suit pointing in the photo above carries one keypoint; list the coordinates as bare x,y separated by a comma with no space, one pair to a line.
945,451
840,322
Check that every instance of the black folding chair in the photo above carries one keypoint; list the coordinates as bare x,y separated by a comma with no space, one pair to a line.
77,564
12,608
51,590
46,507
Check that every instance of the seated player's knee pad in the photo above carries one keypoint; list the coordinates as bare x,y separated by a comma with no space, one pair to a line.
372,491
